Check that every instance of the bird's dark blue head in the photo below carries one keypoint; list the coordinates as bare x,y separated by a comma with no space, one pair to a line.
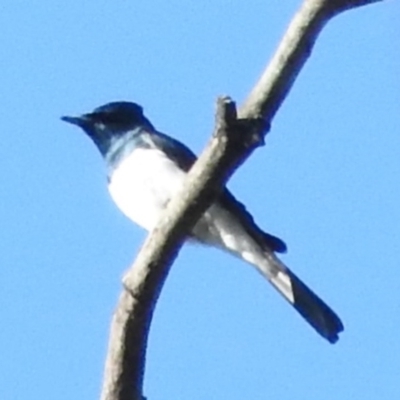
113,126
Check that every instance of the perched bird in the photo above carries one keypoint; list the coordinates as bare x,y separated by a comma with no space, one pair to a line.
146,167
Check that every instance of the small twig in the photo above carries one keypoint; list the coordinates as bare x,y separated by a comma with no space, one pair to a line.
232,142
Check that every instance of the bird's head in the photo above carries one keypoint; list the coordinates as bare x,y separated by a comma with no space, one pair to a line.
113,121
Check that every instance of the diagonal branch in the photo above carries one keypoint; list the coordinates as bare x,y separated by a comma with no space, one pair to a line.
232,142
292,53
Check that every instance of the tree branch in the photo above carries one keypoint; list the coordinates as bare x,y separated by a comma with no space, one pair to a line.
292,53
232,142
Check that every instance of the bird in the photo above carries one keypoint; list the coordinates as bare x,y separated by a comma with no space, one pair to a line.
145,168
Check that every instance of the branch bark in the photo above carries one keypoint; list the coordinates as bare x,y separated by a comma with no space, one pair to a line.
234,139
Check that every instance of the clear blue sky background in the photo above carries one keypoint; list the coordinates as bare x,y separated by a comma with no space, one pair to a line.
327,182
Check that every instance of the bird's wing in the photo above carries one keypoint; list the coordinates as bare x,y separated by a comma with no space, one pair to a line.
185,158
229,202
175,150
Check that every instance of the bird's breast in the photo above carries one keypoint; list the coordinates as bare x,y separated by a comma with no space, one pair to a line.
143,183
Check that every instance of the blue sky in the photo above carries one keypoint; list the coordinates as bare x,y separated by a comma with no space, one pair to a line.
327,182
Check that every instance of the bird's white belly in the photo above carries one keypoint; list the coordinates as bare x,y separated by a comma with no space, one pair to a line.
143,183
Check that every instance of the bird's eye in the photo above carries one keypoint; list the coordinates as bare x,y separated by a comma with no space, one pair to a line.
115,119
105,118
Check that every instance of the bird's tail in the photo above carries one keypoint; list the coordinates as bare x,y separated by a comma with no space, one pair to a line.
229,227
315,311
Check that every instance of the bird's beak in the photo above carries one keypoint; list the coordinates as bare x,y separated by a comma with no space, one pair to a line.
80,121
